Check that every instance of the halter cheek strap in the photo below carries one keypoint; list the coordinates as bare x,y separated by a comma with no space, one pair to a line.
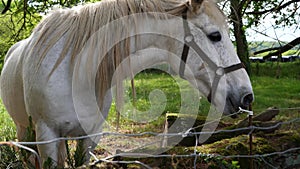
189,42
218,74
186,47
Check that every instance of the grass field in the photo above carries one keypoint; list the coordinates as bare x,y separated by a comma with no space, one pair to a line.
273,84
276,84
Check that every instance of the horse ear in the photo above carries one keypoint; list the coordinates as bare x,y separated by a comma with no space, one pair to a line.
195,5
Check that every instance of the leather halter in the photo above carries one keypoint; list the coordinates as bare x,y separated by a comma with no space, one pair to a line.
190,43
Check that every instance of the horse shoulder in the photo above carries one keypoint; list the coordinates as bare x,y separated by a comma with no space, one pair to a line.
48,97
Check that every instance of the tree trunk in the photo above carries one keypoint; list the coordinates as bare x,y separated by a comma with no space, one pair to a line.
239,33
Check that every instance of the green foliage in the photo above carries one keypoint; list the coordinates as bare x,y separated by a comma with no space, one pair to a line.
45,6
286,16
15,25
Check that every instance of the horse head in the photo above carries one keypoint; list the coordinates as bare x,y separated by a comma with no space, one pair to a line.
214,67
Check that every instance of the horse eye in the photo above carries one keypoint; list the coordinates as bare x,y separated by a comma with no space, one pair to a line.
215,36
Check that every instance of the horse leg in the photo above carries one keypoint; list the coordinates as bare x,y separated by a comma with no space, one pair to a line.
62,153
25,134
87,145
22,136
53,154
21,132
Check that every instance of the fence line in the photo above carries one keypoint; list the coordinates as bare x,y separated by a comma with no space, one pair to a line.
146,155
189,132
183,134
194,155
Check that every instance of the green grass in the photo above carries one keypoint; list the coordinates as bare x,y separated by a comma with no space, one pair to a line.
281,93
170,86
8,155
7,127
290,70
276,84
165,91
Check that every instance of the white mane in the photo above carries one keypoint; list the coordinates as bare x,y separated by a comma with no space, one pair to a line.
78,24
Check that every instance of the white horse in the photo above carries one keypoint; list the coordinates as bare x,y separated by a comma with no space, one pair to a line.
69,64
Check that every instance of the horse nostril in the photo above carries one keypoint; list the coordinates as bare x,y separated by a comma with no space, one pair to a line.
247,99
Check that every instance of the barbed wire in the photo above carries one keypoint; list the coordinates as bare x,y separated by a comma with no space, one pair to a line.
146,155
189,132
183,134
193,155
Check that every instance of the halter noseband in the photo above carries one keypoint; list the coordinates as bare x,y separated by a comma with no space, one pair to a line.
190,43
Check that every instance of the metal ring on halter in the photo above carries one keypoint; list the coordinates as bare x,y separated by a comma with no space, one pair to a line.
220,71
188,38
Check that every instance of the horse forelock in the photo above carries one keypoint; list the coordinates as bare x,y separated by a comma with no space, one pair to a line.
214,12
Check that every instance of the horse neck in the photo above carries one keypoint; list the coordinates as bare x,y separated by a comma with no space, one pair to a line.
153,43
159,41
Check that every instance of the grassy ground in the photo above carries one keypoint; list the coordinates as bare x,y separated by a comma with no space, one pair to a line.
274,85
282,93
272,88
277,69
146,84
7,127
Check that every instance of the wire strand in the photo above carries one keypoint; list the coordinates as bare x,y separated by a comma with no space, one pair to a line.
190,132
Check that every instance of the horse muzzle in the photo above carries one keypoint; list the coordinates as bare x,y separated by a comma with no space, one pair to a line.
233,104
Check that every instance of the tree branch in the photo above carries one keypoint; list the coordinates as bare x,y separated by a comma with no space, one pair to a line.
279,50
265,50
275,9
6,7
